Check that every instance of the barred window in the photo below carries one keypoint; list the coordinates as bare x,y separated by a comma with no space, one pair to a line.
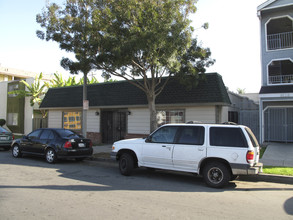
170,116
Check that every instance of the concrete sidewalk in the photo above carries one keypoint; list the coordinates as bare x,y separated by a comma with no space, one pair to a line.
278,154
102,152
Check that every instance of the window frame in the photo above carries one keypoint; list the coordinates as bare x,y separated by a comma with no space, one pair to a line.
68,123
200,139
168,119
214,143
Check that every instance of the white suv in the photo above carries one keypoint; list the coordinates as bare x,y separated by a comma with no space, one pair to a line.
218,152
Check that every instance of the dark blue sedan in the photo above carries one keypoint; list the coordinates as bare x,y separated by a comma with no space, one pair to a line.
53,143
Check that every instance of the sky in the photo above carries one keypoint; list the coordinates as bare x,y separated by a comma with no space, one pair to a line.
233,37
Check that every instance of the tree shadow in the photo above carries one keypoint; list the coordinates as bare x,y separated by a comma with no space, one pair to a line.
105,176
288,206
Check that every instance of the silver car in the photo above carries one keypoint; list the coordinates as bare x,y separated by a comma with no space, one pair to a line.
6,138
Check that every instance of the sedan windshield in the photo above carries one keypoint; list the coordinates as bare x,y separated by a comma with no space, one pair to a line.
2,130
64,133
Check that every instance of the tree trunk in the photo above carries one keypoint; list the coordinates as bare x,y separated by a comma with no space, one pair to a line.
153,112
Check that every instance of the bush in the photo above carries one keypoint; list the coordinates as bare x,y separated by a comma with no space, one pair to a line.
2,122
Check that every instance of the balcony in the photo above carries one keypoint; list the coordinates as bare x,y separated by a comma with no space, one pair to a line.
282,79
279,33
281,72
280,41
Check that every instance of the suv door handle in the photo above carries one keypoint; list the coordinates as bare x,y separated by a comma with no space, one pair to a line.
167,147
201,149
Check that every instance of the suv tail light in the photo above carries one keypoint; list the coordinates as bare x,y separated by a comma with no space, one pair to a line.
250,156
91,144
67,144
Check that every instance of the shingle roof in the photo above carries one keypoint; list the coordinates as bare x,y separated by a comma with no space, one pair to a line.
122,93
276,89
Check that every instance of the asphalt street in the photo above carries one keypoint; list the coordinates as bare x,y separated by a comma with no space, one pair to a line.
32,189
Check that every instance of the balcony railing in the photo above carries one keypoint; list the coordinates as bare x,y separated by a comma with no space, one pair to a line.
280,41
281,79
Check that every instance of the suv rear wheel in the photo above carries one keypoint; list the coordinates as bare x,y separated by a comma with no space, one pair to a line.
216,174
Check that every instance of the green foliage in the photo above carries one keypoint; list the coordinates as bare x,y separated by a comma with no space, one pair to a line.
131,39
2,122
58,81
241,91
35,91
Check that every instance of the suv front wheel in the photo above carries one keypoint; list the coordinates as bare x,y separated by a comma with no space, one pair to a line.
126,164
216,174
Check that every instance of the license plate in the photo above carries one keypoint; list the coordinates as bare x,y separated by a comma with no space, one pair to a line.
3,138
81,145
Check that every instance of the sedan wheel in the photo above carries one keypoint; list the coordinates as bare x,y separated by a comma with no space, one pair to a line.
51,156
16,151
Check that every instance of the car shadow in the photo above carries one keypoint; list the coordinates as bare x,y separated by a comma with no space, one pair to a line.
105,176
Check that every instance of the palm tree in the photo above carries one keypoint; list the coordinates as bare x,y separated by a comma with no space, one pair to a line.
35,91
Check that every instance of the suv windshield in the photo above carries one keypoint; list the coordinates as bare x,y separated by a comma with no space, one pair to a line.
252,137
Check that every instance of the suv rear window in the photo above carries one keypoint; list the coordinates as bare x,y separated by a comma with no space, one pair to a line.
228,137
252,137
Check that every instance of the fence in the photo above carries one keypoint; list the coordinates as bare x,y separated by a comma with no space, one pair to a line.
40,123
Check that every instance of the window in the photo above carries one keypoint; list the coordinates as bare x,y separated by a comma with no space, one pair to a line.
47,135
12,119
227,137
279,33
72,120
252,137
191,135
11,88
280,71
34,134
164,135
67,133
170,116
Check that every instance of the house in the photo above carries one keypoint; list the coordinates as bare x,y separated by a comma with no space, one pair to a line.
16,110
11,74
119,110
276,93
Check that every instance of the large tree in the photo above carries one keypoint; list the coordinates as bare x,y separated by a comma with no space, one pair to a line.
141,41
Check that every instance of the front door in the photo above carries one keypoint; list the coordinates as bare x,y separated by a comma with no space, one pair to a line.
113,126
158,150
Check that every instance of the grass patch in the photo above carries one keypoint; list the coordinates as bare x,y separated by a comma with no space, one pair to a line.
288,171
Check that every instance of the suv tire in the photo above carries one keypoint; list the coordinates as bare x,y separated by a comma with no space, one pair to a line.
216,174
126,164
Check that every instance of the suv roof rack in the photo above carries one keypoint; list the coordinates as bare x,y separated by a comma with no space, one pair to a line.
194,122
229,123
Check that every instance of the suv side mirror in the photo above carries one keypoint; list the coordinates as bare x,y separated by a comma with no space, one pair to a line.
148,139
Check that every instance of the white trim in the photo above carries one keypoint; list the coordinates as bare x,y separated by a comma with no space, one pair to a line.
265,4
279,59
266,38
276,95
